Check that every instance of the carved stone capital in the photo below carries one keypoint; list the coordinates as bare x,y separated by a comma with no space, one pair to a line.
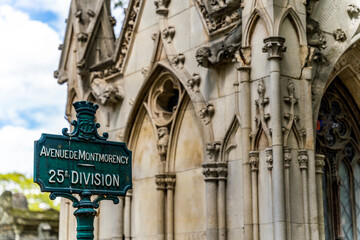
212,150
168,34
287,157
222,170
319,163
194,82
210,171
162,7
269,158
254,160
274,46
303,159
170,180
207,113
160,181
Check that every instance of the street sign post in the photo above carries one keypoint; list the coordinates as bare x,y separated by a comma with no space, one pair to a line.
82,162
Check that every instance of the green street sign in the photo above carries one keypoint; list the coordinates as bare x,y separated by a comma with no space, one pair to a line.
82,160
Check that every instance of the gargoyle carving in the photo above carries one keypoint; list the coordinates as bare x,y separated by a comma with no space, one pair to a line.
221,52
315,35
106,93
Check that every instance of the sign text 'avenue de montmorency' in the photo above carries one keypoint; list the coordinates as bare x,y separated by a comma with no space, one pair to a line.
71,165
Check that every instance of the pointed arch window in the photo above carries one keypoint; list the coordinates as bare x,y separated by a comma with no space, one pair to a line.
338,138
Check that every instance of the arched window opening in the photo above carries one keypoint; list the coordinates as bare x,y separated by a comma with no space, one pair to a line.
338,139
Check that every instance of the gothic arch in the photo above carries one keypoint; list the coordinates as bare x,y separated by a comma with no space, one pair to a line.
195,97
294,18
251,25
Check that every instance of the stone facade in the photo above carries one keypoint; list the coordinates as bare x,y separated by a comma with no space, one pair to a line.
223,104
17,222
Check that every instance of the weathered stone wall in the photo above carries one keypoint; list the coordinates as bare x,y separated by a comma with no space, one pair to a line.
218,102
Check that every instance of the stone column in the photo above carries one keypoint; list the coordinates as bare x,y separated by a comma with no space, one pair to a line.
170,186
127,215
274,46
287,160
160,187
210,173
222,174
303,163
254,166
320,163
310,146
118,229
245,141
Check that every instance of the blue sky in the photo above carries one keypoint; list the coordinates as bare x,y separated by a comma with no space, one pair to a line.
31,101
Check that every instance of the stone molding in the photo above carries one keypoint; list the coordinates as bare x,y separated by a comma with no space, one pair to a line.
275,47
319,163
127,33
303,159
207,112
254,160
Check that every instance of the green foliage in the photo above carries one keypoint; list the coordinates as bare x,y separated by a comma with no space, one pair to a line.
17,182
118,3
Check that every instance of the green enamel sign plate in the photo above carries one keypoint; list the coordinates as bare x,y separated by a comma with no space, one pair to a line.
71,165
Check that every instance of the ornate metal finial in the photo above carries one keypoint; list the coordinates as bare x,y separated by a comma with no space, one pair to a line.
85,126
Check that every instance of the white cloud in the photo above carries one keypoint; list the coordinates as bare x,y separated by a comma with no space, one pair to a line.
31,100
16,156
